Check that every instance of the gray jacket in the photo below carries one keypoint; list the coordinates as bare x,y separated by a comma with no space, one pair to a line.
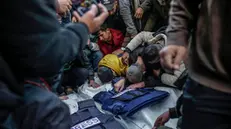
125,12
146,37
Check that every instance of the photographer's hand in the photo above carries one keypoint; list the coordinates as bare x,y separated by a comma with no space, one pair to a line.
92,21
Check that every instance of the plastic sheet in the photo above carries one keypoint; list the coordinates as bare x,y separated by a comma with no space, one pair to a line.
143,119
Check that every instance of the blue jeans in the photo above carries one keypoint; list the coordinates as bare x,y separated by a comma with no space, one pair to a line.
95,57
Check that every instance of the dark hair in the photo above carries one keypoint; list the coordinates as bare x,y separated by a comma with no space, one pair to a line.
151,52
103,27
151,57
105,74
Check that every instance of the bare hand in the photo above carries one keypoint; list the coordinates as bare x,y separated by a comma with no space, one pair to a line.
161,120
94,84
93,23
119,86
171,56
118,52
64,6
74,19
125,58
63,97
137,85
139,13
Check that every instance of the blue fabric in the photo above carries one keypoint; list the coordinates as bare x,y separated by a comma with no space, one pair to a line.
129,102
115,80
95,57
88,110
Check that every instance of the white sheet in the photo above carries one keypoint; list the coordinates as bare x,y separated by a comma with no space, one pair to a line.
143,119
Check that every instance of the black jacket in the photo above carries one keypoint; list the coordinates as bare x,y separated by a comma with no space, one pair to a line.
34,42
10,91
35,45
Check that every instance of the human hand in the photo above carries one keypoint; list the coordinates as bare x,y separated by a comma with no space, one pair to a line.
119,86
92,21
115,6
125,58
161,120
93,84
136,85
171,56
63,6
74,19
118,52
63,97
139,13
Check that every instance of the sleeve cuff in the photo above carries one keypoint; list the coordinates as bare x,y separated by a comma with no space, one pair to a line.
140,6
173,113
88,31
127,50
173,38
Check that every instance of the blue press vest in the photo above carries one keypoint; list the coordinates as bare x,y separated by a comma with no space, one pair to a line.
129,102
89,117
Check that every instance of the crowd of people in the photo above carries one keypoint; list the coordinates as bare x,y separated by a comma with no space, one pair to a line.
50,50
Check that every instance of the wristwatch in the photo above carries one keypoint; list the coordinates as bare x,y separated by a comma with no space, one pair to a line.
127,50
123,48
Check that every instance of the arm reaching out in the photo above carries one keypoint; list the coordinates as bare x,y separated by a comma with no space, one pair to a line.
37,43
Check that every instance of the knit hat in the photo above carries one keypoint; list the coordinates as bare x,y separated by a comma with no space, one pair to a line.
105,74
134,73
